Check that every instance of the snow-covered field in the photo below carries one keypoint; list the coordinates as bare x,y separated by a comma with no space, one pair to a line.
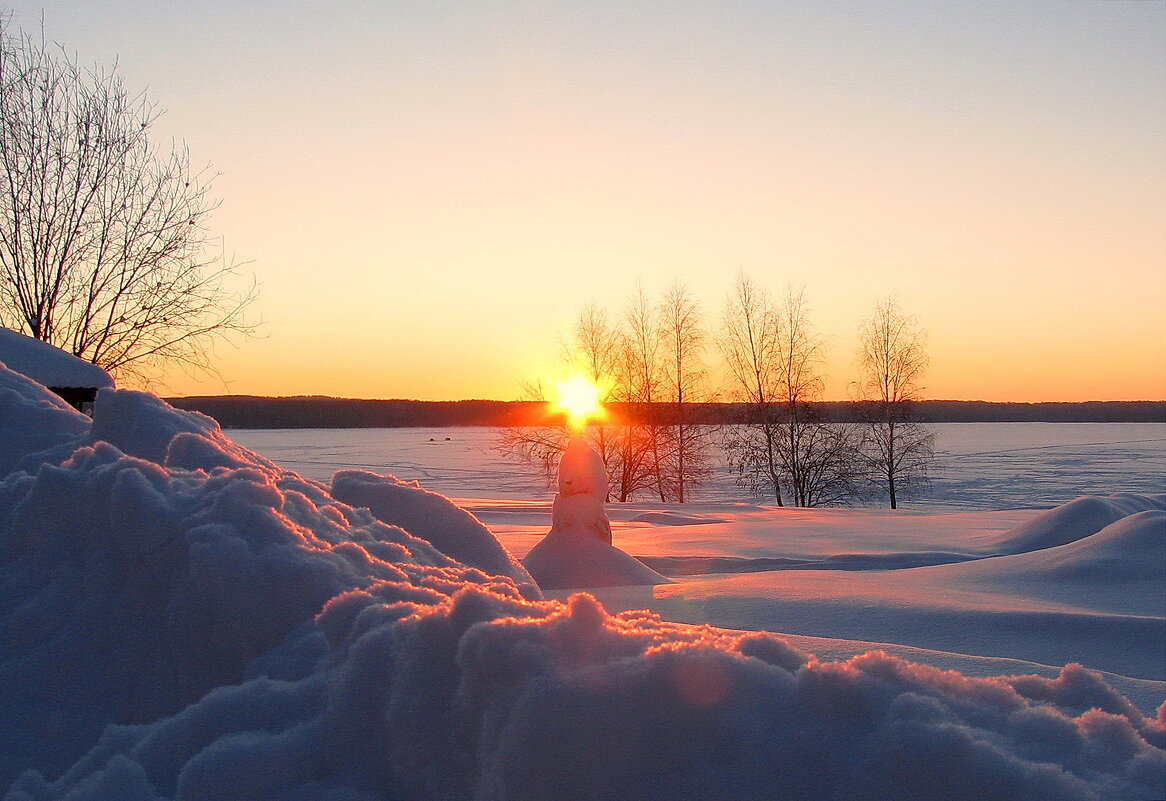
181,617
915,581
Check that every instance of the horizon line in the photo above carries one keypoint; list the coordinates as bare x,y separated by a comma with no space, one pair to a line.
518,400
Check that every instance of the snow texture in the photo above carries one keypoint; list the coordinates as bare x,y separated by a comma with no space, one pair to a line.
581,471
209,626
451,529
32,420
47,364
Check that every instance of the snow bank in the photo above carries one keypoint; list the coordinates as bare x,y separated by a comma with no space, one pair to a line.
451,529
673,519
210,627
485,696
33,419
130,588
1132,548
573,559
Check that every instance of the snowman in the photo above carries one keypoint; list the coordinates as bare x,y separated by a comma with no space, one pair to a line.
577,551
582,491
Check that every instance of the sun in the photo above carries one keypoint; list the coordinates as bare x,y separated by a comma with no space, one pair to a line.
579,397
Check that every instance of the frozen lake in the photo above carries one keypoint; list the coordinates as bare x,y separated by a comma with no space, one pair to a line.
977,465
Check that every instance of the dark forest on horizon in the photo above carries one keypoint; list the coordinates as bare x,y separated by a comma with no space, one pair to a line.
247,411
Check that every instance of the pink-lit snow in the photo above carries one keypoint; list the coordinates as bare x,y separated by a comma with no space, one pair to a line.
182,618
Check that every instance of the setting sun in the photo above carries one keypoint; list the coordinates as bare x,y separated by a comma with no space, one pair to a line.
579,397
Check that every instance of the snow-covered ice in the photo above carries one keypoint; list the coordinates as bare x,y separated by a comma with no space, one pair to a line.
183,618
978,465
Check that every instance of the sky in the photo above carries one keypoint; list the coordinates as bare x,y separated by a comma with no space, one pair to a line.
428,192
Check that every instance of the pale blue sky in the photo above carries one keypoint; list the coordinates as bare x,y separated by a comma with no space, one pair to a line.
429,192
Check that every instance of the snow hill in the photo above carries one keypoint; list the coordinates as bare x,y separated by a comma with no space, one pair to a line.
182,618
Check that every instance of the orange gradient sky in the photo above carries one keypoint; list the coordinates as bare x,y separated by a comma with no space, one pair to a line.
428,193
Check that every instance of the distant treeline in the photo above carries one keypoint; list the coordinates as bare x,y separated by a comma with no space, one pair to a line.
247,411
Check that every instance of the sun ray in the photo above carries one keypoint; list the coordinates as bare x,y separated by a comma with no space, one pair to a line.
581,399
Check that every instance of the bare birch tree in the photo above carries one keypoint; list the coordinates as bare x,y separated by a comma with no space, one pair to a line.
639,389
819,457
593,350
103,238
685,379
649,370
785,447
534,444
892,357
749,344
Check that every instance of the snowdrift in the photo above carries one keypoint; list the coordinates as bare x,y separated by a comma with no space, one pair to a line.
33,420
1132,548
181,618
577,552
1076,520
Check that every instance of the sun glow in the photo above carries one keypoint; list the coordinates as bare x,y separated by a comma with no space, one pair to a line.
580,398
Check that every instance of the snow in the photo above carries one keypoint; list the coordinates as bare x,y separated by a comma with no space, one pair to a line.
183,618
577,552
978,466
47,364
430,516
32,419
581,471
1076,520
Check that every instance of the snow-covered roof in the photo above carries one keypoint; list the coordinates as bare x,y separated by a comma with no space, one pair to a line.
47,364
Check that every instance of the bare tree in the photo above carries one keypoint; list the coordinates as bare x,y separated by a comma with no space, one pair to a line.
819,457
893,359
103,239
648,368
776,360
639,389
537,445
683,340
595,351
749,344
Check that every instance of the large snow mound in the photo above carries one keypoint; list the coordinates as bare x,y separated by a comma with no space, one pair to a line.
1132,548
1076,520
47,364
210,626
